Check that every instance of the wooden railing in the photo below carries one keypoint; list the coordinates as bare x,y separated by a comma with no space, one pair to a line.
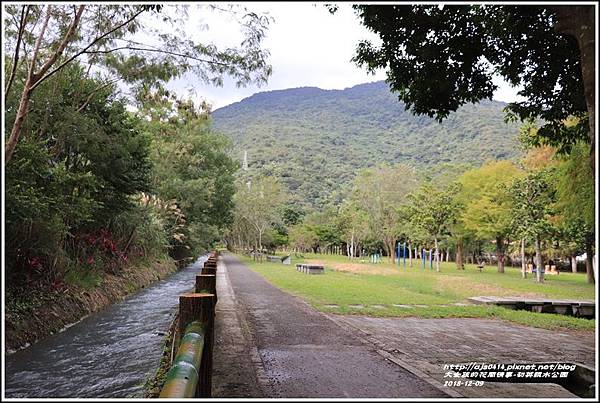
190,374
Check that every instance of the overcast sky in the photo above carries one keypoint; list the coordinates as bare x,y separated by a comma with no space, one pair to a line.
308,46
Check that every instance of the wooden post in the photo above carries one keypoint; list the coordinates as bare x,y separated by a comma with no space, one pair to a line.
209,270
210,266
200,307
206,283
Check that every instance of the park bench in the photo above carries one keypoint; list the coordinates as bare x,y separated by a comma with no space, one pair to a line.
279,259
310,268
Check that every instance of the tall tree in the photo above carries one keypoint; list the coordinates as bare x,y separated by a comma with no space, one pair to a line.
438,58
531,208
259,202
380,191
192,166
486,211
46,38
576,201
441,176
302,237
75,170
434,210
325,226
353,224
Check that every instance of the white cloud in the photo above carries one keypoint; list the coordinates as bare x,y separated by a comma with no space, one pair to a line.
506,92
308,46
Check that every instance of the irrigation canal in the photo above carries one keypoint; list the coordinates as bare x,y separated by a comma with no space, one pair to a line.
108,354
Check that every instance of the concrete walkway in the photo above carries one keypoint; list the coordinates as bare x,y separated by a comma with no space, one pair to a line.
425,345
272,344
234,369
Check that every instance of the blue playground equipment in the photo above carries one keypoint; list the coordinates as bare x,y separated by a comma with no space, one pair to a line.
430,261
401,253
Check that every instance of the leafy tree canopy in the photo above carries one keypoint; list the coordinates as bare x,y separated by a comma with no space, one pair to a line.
532,205
192,166
484,193
143,46
439,57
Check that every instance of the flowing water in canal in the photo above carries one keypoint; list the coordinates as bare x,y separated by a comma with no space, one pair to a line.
107,354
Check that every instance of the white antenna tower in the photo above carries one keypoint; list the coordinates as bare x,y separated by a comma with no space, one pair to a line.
245,163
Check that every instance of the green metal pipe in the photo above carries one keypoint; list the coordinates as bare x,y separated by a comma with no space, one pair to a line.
182,378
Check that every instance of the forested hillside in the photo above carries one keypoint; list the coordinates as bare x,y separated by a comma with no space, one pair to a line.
317,139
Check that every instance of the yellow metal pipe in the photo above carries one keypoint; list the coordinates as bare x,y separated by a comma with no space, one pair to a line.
182,378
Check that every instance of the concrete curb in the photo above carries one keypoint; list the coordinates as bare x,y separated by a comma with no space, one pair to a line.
257,362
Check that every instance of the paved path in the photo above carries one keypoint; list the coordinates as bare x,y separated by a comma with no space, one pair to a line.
234,369
287,349
425,345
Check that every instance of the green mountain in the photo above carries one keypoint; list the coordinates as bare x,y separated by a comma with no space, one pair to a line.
316,140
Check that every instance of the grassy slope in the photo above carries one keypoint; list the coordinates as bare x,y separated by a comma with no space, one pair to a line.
35,313
424,287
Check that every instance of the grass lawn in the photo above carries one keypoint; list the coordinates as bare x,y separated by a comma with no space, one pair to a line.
374,289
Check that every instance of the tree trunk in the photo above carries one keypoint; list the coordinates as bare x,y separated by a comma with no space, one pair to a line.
389,249
538,261
352,247
579,22
523,262
15,132
437,255
500,254
11,144
459,257
35,78
409,254
574,264
589,260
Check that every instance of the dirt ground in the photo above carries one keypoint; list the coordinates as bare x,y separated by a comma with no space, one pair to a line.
356,268
449,281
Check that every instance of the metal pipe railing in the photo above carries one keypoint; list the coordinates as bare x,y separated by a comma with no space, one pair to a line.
182,378
190,374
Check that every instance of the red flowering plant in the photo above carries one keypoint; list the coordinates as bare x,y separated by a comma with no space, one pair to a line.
38,271
99,250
